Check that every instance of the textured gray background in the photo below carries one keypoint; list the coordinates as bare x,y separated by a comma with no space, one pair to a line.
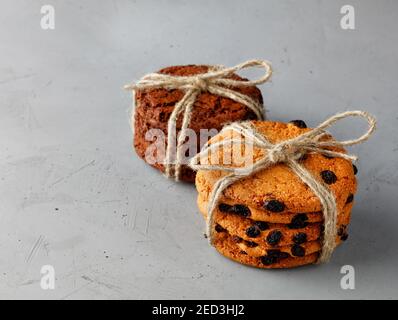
121,230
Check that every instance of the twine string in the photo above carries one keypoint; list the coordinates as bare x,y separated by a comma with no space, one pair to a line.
288,152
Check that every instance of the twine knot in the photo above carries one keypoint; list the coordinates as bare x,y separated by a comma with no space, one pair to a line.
217,81
277,154
282,152
287,152
200,84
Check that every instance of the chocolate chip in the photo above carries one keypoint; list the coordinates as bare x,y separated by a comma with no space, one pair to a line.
299,123
268,260
355,168
253,231
162,116
273,253
223,207
298,221
236,239
262,225
274,237
250,115
344,237
350,198
218,228
299,238
273,256
277,254
298,251
328,176
341,230
284,255
243,252
274,206
251,244
239,209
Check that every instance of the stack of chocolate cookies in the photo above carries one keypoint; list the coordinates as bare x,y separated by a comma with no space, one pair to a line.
153,108
271,219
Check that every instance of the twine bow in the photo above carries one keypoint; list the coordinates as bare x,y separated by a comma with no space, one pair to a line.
216,82
287,152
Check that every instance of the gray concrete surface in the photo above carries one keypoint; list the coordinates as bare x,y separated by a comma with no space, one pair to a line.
74,195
